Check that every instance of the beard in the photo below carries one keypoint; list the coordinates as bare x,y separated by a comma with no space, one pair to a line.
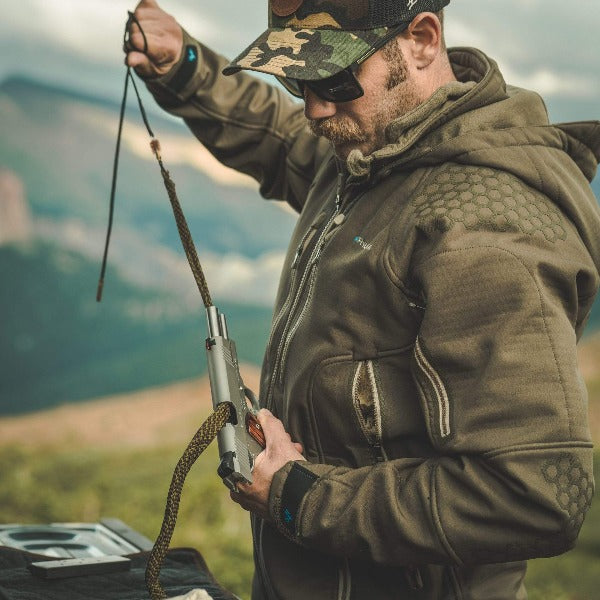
346,133
397,97
339,130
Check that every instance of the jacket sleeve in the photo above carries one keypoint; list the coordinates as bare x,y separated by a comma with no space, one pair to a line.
495,366
245,123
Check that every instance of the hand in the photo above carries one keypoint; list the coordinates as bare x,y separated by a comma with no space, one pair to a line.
164,38
279,450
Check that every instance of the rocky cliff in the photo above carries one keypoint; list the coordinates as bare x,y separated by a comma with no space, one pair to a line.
15,216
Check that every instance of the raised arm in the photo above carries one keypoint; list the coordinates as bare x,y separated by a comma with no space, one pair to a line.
247,124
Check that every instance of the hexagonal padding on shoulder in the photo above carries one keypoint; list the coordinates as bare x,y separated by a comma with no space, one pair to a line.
484,199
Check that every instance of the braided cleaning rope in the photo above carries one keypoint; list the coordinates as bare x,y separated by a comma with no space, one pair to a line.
217,420
184,232
203,437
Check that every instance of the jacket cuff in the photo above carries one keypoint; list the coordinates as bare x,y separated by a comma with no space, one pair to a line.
289,489
184,77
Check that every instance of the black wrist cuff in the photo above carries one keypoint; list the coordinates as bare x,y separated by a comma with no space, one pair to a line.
185,70
297,483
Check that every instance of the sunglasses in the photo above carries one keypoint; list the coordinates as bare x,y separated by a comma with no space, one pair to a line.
341,87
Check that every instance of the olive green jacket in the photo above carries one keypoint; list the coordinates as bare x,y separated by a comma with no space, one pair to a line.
424,334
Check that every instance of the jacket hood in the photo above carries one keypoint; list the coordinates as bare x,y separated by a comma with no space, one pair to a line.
480,120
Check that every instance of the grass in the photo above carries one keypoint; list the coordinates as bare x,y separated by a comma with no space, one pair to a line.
45,485
58,485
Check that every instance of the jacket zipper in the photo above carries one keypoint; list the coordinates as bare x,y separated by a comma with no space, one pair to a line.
294,271
344,581
311,271
294,328
437,385
292,299
295,295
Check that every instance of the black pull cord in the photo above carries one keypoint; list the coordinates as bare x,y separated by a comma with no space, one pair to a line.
128,46
128,77
113,188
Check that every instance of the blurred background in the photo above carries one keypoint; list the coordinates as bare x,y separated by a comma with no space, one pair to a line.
97,400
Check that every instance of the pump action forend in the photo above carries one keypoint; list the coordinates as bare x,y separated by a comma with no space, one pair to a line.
242,439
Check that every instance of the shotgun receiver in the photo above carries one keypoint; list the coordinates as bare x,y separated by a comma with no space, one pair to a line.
241,439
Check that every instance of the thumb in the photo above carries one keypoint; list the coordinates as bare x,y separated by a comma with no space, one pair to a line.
141,63
272,426
147,4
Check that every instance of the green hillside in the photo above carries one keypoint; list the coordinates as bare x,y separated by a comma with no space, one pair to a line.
58,344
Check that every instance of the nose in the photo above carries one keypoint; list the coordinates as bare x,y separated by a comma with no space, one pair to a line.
315,107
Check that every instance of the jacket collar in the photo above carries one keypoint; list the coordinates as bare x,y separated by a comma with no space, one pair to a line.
479,83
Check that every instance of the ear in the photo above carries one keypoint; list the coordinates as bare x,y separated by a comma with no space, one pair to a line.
424,35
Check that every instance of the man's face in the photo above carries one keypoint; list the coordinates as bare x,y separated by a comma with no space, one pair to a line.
390,93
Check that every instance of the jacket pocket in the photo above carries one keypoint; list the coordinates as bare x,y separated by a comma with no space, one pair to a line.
366,399
338,434
364,410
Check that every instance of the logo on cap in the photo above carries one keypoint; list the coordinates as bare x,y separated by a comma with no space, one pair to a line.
411,3
283,8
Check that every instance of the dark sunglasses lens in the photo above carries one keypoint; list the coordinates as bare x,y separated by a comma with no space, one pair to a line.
341,87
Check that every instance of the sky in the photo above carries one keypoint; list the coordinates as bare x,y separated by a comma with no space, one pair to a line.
548,45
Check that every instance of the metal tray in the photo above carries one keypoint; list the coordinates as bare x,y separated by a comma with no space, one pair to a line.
75,540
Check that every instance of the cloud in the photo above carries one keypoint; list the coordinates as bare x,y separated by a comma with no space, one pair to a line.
94,28
177,149
150,265
545,46
549,83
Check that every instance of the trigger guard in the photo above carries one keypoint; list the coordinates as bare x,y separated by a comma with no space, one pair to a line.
252,397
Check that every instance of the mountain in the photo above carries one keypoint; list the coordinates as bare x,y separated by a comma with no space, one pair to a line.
157,416
62,144
57,344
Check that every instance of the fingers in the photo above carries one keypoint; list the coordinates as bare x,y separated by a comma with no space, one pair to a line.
135,40
271,425
248,503
275,433
154,41
239,499
147,4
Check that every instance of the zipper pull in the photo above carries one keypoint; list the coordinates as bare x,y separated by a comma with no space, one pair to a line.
414,577
338,193
339,219
297,257
321,218
415,305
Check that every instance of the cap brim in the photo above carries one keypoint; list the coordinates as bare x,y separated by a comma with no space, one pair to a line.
307,54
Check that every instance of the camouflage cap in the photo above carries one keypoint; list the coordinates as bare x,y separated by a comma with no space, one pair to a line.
315,39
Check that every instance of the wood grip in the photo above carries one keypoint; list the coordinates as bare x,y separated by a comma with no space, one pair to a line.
255,430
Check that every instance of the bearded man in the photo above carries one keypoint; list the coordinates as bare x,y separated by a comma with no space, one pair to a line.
423,346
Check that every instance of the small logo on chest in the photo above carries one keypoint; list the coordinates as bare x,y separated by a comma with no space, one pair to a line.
362,243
